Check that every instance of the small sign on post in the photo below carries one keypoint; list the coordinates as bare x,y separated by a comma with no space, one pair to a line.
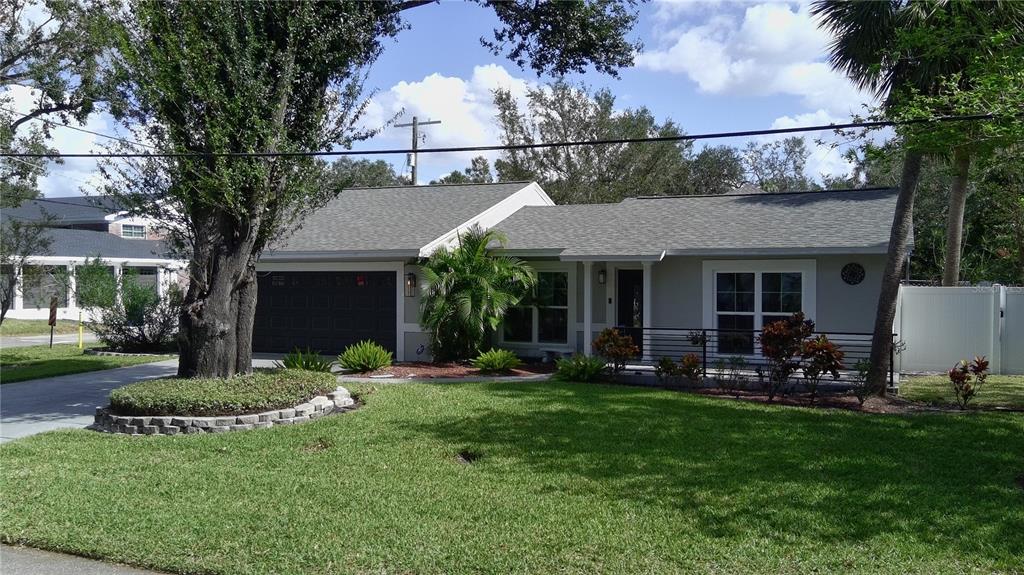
53,317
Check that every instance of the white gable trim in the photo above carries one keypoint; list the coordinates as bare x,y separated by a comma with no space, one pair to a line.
530,195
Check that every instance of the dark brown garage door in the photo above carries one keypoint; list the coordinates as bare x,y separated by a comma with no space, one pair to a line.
324,311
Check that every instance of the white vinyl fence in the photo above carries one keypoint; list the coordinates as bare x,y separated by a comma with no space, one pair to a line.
942,325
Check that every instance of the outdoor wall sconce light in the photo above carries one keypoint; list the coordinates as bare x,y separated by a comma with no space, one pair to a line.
410,285
601,277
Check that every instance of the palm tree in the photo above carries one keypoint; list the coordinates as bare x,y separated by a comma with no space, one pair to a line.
467,292
894,48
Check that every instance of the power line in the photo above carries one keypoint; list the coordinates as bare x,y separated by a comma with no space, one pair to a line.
77,129
502,147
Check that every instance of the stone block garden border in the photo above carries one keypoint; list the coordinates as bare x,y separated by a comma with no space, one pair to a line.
337,401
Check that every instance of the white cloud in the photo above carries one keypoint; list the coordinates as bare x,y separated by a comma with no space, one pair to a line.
771,48
465,108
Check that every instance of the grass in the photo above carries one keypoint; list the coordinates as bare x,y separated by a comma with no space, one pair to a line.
998,391
34,362
20,327
260,391
536,477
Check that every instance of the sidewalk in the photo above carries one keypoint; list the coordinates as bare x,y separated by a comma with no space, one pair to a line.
28,561
27,340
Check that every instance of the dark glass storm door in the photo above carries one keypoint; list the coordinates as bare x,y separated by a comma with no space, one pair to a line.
630,304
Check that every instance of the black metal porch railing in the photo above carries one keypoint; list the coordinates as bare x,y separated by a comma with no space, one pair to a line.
714,346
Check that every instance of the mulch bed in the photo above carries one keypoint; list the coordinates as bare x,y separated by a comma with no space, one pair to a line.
889,404
425,370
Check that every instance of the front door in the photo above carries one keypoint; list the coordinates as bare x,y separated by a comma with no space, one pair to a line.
630,308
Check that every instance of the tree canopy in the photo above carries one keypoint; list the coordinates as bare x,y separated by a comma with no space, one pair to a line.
265,76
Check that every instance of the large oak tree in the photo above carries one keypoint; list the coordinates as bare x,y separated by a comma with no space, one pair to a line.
263,76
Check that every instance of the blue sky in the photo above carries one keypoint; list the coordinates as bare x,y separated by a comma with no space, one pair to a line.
710,66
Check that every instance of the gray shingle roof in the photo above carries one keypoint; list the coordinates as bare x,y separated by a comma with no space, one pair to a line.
400,219
804,222
88,243
71,209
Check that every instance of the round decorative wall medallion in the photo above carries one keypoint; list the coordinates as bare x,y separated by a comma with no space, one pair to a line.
853,273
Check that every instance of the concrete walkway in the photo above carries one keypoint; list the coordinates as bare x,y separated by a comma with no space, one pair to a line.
27,340
38,405
26,561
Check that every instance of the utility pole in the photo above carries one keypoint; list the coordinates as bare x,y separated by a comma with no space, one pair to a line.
416,123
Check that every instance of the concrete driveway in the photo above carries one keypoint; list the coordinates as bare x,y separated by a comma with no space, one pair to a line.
38,405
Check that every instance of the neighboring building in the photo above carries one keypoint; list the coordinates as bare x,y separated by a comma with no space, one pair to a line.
659,268
83,228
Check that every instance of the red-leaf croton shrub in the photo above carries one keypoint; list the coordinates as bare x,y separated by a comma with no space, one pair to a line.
616,348
821,357
781,344
967,378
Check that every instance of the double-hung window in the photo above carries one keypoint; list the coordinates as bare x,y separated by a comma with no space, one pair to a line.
133,231
749,295
544,317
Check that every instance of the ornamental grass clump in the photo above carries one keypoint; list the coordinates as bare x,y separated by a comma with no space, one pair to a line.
967,379
365,356
580,368
307,359
496,361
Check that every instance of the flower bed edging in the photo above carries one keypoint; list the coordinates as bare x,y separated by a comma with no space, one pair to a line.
337,401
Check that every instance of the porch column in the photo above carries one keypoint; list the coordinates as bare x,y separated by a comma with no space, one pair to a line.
118,272
647,311
72,287
19,286
161,282
588,307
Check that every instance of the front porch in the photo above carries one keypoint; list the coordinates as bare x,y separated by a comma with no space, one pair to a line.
677,305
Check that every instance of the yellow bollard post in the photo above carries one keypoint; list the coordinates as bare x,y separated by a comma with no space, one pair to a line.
80,342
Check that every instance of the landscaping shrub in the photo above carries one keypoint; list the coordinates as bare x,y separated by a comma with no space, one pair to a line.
781,344
496,361
141,321
615,348
859,384
364,356
967,379
730,376
308,360
261,390
690,368
821,357
667,370
580,368
467,293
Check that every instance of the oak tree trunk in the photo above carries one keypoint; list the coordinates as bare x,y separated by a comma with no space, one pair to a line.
955,218
215,337
881,340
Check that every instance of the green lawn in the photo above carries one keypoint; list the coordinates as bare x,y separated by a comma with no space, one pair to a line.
998,390
34,362
18,327
571,478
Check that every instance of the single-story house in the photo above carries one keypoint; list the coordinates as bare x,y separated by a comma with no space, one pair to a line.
81,228
659,268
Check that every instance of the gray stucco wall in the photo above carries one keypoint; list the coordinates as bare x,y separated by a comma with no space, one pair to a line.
678,292
412,304
599,304
843,307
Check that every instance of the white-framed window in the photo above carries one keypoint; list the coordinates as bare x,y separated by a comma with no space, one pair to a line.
743,296
544,316
133,231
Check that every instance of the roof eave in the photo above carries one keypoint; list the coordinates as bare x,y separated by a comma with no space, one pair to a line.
339,255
